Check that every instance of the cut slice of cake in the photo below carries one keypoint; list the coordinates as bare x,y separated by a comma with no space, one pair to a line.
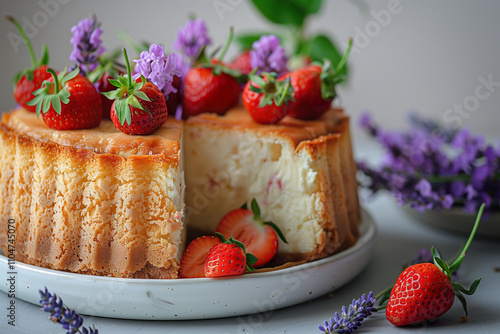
93,201
301,173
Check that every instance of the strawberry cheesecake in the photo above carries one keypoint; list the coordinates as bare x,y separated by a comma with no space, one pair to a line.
98,201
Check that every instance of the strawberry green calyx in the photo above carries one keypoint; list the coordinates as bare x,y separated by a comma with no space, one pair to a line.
53,93
331,76
217,66
44,60
449,270
250,258
127,94
257,217
274,91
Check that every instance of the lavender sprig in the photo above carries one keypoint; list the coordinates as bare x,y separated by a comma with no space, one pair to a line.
351,317
160,69
191,38
267,55
69,319
433,168
87,44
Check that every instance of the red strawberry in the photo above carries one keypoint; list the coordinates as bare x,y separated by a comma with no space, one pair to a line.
205,91
31,79
194,257
128,114
68,101
259,237
315,88
242,62
228,258
211,86
267,99
425,291
106,86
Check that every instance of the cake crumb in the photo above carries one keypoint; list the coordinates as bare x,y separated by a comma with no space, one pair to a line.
463,319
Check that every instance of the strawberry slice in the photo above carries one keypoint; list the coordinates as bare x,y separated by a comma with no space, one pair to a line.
259,237
194,257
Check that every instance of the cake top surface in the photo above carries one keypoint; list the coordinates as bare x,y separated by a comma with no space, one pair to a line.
292,129
105,138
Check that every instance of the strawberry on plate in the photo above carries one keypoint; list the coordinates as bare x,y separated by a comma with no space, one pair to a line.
228,258
29,80
315,88
68,101
193,259
211,86
267,99
130,115
259,237
426,291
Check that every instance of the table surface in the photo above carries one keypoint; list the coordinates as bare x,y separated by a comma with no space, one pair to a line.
399,237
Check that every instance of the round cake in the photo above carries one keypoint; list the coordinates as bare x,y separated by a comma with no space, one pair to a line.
98,201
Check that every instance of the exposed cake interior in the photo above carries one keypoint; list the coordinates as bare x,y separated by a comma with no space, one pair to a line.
293,169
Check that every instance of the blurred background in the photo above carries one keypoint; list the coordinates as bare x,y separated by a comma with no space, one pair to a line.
439,58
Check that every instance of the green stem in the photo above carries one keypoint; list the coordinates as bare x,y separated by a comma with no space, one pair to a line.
457,262
26,39
342,61
56,79
129,74
228,42
285,92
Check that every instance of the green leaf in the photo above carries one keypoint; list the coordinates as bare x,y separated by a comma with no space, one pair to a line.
255,209
462,300
287,12
244,206
115,83
141,95
443,266
220,236
277,230
435,253
134,102
44,60
56,104
251,259
470,291
46,103
321,47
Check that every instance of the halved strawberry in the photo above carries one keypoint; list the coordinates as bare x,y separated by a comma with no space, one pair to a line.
259,237
194,257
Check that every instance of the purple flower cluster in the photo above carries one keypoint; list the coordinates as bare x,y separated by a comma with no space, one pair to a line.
160,69
191,38
432,167
69,319
350,318
87,44
268,55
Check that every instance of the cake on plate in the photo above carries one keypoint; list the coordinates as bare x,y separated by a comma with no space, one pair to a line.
98,201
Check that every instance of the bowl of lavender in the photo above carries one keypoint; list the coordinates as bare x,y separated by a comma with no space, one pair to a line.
439,175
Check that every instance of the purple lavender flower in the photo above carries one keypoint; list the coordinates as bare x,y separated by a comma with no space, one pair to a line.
69,319
87,44
350,318
158,68
268,55
432,171
191,38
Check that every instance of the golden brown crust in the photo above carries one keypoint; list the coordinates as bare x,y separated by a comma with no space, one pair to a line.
81,211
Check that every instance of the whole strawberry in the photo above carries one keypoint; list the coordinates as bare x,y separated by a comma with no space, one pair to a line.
29,80
68,101
315,88
228,258
266,99
259,237
425,291
211,86
130,115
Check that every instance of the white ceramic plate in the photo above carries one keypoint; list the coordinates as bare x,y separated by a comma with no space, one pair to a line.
199,298
457,220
